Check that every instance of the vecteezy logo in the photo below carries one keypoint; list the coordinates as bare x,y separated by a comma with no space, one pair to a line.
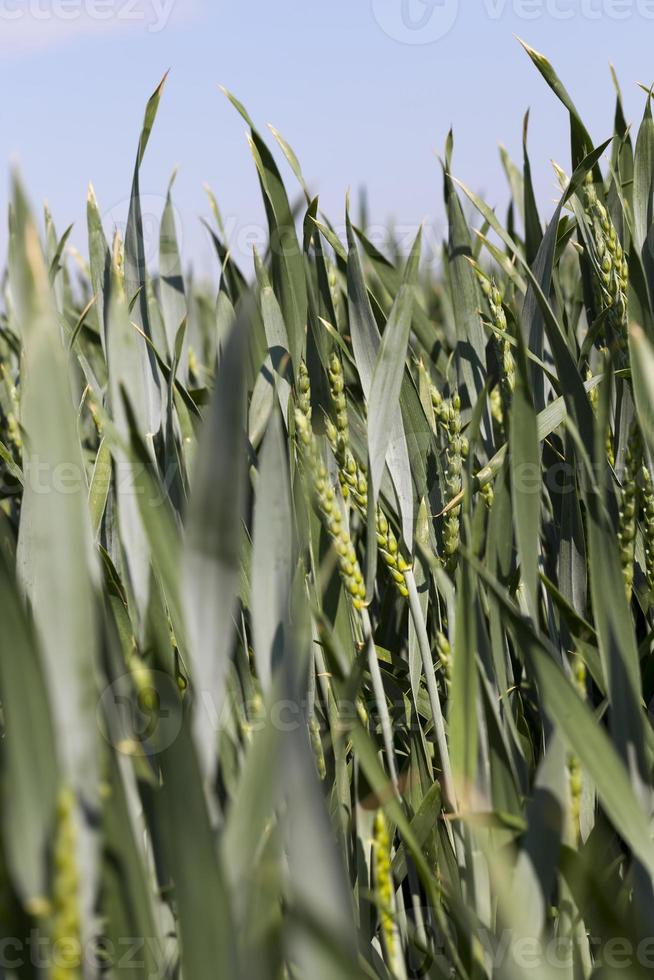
140,718
416,21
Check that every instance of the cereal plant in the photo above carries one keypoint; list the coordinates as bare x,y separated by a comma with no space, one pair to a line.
327,599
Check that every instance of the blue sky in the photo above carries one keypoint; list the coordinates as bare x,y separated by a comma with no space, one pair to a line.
344,81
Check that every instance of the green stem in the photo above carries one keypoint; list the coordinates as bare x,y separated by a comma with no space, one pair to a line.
449,794
380,696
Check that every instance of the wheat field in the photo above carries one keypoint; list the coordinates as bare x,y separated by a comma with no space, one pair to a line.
327,598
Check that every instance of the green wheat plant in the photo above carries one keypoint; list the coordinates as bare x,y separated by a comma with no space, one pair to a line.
327,591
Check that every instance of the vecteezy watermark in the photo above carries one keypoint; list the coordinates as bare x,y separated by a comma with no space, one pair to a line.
154,957
569,9
154,14
427,21
416,21
142,711
241,239
525,954
44,478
